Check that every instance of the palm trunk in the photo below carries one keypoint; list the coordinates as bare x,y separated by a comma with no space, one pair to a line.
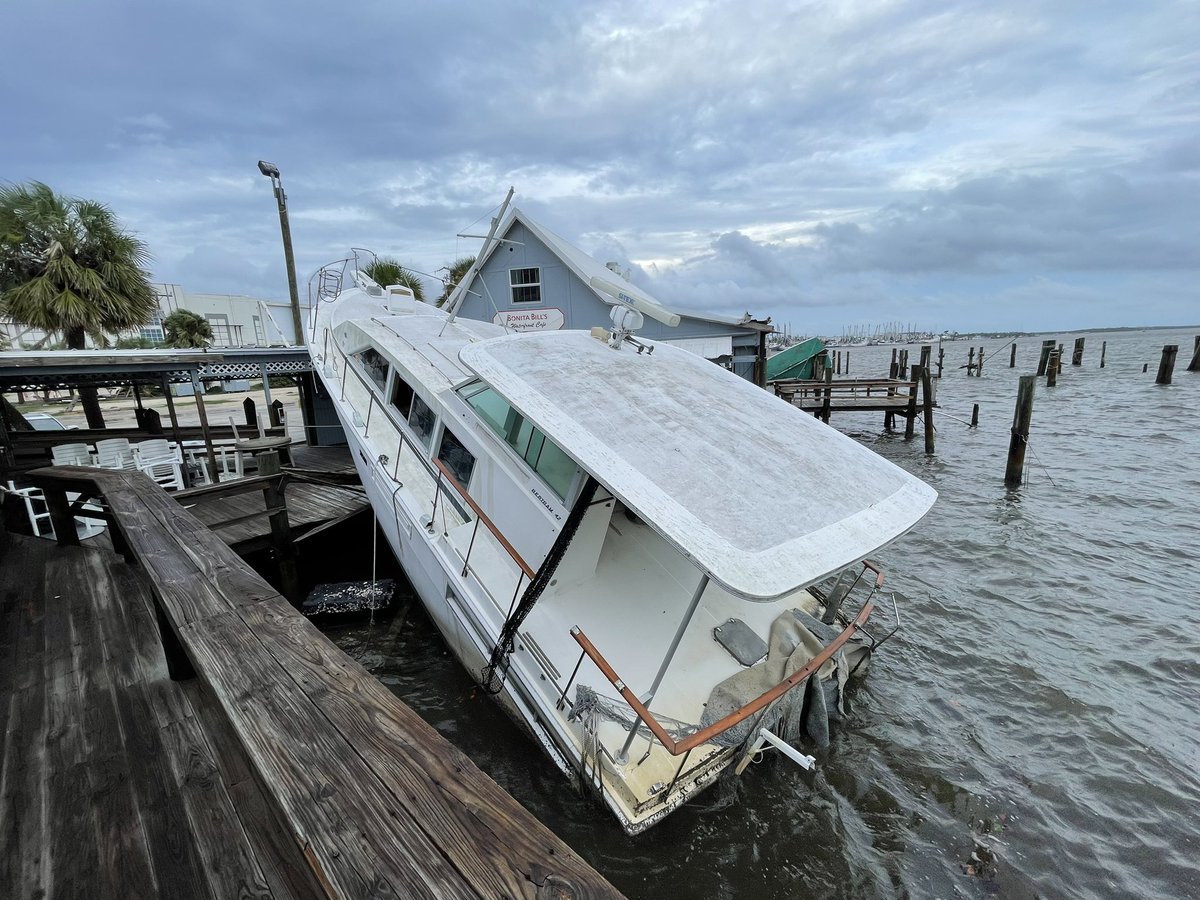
88,396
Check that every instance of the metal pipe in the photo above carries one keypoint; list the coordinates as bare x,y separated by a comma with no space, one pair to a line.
623,756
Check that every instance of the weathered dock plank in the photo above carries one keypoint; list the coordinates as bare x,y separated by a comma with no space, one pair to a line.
321,780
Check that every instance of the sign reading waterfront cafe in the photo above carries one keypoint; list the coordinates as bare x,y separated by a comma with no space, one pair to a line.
550,319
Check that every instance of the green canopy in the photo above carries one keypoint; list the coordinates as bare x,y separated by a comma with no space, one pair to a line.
796,362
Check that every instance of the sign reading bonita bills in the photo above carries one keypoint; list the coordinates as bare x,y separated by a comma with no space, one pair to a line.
548,319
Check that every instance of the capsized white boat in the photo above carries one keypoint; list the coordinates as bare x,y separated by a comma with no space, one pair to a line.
620,539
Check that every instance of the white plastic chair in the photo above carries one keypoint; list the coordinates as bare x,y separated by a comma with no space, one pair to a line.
39,514
71,455
229,463
163,463
115,453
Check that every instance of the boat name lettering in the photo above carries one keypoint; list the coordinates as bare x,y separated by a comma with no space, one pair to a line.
542,500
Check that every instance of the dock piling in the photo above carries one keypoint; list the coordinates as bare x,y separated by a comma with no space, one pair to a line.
1077,354
910,411
1052,368
1044,359
1194,365
975,416
1012,357
979,367
250,412
1022,416
825,402
1166,365
941,356
1104,350
927,405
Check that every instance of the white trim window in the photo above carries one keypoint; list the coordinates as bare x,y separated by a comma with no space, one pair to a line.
526,285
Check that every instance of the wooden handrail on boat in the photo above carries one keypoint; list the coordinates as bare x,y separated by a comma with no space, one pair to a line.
483,517
704,735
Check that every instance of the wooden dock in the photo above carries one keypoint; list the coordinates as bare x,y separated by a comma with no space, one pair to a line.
175,728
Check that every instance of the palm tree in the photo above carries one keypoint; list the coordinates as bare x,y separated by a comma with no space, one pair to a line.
387,270
184,328
454,274
67,267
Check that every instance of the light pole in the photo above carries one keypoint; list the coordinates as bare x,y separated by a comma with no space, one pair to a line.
272,172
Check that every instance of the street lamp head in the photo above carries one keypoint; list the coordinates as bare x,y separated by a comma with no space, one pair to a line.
268,169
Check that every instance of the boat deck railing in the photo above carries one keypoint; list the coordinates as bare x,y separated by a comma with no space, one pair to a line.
684,746
441,481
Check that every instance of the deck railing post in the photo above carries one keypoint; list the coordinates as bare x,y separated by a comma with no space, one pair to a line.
60,516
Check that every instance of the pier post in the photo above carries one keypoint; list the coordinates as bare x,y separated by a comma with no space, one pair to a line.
1104,350
941,356
975,416
926,356
979,366
1077,355
1052,369
1194,365
281,531
826,399
1060,358
250,412
927,404
847,362
894,369
1022,416
1145,368
1166,365
910,412
970,361
1012,357
1044,359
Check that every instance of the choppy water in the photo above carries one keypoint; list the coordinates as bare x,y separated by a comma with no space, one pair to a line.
1034,730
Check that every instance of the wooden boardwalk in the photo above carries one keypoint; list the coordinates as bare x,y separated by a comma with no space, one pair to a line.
273,766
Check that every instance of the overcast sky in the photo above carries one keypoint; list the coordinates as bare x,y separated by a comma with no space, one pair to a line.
957,165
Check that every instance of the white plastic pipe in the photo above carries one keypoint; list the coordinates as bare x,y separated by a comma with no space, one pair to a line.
802,760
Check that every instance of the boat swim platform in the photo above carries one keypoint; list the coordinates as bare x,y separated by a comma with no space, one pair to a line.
174,728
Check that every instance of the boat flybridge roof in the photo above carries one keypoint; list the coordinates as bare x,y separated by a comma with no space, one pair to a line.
759,495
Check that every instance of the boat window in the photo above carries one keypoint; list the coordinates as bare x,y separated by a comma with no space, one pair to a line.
375,364
543,455
526,285
421,419
458,459
402,397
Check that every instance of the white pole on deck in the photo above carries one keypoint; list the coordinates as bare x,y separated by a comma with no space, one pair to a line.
623,756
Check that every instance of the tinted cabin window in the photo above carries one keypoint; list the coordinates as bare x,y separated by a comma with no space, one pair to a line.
543,455
402,397
421,419
457,458
375,364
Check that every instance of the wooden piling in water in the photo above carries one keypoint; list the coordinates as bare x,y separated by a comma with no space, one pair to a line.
910,411
1044,359
1022,415
927,408
1012,357
1166,365
979,365
1145,368
826,400
1052,368
1077,354
975,416
1194,365
847,362
970,360
941,356
1104,350
1060,358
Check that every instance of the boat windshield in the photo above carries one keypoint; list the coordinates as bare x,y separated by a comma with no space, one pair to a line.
543,455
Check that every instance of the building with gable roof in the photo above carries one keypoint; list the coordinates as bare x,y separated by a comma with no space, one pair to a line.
533,280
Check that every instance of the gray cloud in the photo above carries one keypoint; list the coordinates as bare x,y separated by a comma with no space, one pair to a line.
964,164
